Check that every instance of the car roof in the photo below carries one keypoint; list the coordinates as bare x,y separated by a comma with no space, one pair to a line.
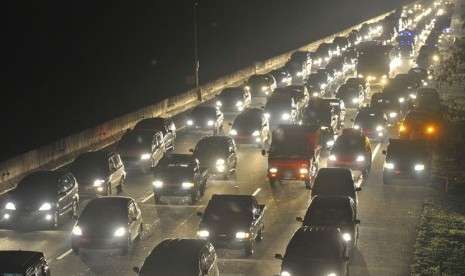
16,259
246,199
215,138
336,172
153,120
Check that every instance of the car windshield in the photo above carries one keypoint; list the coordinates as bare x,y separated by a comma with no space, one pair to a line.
315,79
348,144
407,150
227,209
90,163
328,215
354,81
171,170
318,115
314,250
136,141
291,149
283,101
257,80
211,147
102,213
364,119
203,111
36,183
231,94
247,121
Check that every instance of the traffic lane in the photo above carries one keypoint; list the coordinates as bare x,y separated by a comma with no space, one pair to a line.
174,217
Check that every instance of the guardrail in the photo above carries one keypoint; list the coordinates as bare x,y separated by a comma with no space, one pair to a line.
64,150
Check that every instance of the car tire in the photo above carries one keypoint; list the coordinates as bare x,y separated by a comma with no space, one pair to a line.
249,249
156,198
75,250
74,209
120,187
108,189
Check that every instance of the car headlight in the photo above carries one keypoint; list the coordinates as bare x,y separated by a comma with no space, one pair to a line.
346,237
285,116
425,83
46,206
401,100
332,274
299,74
242,235
389,166
303,170
220,162
77,231
98,182
316,94
379,128
356,126
332,157
233,132
285,273
267,115
210,123
239,103
412,96
322,86
360,75
392,114
187,185
189,122
273,170
120,232
360,158
435,58
430,77
203,234
285,79
316,62
419,167
330,143
145,156
355,100
430,129
256,133
157,184
10,206
247,87
264,88
218,103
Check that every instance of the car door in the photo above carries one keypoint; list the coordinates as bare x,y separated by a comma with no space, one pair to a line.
256,217
232,154
219,116
113,177
135,219
168,135
64,188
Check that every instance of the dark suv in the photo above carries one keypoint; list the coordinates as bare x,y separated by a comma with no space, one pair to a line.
98,173
165,125
43,198
406,159
24,263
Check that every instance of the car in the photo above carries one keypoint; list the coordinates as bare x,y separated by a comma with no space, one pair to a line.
323,52
42,198
282,76
205,118
408,81
98,173
298,92
165,125
339,109
360,81
282,108
217,154
234,99
298,70
427,99
303,56
261,85
25,263
233,221
179,175
315,251
372,123
251,127
354,37
420,124
398,95
331,75
180,257
141,149
335,49
320,81
387,104
351,56
343,42
340,65
352,95
324,115
420,74
406,159
428,55
111,222
351,150
334,211
405,51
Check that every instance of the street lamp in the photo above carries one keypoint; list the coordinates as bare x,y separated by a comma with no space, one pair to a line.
196,57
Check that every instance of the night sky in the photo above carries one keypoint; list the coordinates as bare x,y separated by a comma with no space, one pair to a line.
69,65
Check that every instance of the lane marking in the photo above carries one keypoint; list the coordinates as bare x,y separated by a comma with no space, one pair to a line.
257,191
375,151
181,128
144,200
64,254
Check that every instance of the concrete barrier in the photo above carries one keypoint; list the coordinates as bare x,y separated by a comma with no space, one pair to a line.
62,151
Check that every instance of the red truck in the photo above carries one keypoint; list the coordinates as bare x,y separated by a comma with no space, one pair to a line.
294,153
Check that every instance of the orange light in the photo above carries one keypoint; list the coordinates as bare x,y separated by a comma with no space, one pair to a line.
273,175
402,128
430,129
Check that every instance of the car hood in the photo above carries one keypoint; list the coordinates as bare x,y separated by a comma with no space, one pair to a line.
32,201
311,267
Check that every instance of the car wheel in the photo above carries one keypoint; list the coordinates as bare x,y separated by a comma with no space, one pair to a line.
249,249
56,219
259,236
157,198
75,250
307,184
120,187
74,209
108,189
125,248
194,196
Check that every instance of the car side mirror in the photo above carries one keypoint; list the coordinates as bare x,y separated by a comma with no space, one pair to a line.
299,219
384,152
278,256
357,221
191,150
358,189
136,269
200,214
263,152
345,259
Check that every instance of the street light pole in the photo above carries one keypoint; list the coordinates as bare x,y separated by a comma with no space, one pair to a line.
196,57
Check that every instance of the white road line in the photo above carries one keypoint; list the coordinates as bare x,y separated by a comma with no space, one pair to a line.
375,151
257,191
147,198
64,254
181,128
